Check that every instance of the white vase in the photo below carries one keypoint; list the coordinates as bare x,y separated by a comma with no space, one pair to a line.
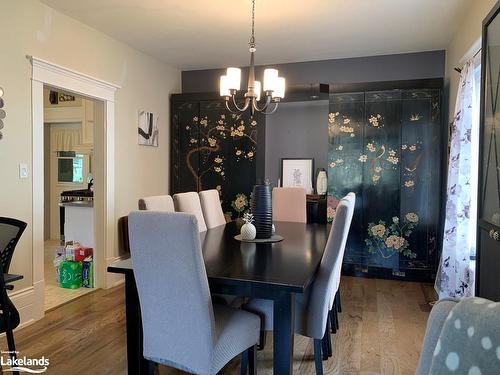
321,183
248,231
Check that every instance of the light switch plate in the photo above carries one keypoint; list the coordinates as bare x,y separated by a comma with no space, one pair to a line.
23,170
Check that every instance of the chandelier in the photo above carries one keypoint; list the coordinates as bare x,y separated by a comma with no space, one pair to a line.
274,86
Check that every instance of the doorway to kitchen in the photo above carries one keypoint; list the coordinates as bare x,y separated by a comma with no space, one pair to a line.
50,75
70,121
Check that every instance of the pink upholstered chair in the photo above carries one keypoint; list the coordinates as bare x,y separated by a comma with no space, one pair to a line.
190,203
212,210
289,204
163,203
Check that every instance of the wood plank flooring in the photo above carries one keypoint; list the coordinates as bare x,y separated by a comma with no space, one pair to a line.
381,331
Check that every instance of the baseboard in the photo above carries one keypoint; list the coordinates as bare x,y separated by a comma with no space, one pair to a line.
29,303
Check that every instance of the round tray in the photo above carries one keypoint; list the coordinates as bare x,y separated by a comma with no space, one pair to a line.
273,238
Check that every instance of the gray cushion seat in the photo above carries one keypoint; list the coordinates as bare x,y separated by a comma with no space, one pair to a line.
182,328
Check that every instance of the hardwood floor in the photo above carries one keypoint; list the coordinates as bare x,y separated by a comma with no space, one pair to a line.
381,330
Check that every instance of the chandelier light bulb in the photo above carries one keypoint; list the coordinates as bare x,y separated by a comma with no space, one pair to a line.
257,89
280,88
233,78
224,86
270,76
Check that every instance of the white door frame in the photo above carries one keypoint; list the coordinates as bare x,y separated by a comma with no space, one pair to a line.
46,73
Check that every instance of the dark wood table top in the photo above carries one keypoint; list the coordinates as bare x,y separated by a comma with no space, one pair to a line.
287,265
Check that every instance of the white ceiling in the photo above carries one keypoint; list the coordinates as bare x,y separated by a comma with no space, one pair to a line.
199,34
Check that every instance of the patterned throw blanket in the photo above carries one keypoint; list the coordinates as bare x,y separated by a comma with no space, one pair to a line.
469,343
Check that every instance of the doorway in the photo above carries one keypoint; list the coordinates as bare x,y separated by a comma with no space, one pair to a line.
70,121
52,76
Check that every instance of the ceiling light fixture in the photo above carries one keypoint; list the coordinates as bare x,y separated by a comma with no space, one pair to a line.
274,86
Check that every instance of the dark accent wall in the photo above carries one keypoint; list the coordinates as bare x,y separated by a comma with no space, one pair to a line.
404,66
296,130
300,129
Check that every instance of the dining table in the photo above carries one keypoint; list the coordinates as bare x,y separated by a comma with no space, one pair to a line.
276,271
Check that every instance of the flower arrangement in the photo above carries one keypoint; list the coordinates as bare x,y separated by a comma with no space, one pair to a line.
392,239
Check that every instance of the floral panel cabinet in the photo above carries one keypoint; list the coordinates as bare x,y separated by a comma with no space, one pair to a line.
386,146
213,148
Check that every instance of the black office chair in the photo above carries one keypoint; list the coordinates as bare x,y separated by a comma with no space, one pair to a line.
10,233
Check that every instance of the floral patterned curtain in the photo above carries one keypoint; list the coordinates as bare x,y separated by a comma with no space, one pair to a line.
455,277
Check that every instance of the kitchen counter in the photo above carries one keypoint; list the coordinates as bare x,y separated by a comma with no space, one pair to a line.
77,204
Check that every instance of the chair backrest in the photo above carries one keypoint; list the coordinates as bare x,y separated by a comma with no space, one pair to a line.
163,203
176,307
190,203
212,210
321,290
289,204
10,233
123,240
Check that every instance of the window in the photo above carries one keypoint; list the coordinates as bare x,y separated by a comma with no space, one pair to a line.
475,151
69,167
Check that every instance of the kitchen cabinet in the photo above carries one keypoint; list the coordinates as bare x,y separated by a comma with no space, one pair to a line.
88,123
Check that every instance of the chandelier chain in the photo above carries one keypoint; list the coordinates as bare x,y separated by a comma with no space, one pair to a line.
252,38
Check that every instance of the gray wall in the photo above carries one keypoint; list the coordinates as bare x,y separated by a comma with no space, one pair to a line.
360,69
296,130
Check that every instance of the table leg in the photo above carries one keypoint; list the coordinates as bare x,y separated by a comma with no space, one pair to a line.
136,363
284,326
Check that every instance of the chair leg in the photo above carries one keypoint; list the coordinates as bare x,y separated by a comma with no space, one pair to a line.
8,324
332,320
327,342
317,357
249,361
244,363
151,368
336,314
262,340
339,304
252,360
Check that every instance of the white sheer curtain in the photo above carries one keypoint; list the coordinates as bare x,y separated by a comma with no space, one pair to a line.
455,277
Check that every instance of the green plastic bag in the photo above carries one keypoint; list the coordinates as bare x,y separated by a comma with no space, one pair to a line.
70,274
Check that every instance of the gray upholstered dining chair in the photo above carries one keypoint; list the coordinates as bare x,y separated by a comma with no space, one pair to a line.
335,301
163,203
190,203
212,210
311,307
182,328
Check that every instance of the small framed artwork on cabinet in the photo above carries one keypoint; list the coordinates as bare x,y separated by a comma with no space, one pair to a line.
297,172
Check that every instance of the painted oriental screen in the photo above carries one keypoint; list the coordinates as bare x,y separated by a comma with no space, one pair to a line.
214,149
386,147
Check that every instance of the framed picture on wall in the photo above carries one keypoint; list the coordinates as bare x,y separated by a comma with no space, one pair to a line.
148,129
297,172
